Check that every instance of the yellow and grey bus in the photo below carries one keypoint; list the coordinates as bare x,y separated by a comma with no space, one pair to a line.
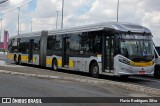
110,48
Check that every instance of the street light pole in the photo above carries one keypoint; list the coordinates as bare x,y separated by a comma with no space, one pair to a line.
20,28
18,19
57,19
62,14
31,26
117,10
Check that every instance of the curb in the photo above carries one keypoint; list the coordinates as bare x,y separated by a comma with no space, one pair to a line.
132,87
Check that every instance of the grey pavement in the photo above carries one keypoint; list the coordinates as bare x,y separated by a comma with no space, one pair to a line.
80,77
19,86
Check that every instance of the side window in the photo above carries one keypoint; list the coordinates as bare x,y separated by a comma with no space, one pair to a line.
97,44
24,45
36,48
54,45
50,45
58,45
74,44
91,43
14,45
84,42
10,45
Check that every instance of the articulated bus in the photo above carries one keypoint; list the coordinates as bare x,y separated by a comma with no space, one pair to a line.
110,48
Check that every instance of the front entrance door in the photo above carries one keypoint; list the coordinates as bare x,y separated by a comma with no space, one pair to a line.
108,53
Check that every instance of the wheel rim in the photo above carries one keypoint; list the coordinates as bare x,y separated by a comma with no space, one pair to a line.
158,72
95,70
19,60
15,59
55,67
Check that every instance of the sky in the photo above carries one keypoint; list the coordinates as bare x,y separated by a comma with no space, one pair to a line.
43,14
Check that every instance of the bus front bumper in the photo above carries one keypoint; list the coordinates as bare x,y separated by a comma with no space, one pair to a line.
136,70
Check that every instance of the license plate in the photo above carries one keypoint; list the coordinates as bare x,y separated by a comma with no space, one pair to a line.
142,72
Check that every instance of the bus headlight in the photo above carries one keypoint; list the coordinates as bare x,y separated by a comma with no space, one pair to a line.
123,60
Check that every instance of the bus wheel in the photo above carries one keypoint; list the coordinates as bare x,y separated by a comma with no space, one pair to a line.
19,60
54,65
94,70
15,59
157,72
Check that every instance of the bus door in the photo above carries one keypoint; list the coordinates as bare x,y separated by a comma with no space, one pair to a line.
108,54
31,44
65,56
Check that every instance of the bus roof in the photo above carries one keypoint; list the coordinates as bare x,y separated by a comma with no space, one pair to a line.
124,27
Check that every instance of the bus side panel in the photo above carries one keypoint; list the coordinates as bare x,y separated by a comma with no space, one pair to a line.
50,58
36,59
43,49
24,58
49,61
80,64
10,56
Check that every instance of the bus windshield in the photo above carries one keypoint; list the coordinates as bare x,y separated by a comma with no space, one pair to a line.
137,47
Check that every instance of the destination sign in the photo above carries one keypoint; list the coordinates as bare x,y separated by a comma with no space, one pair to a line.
141,37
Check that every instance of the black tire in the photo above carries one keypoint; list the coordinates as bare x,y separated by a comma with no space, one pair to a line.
55,65
94,70
19,60
157,72
15,59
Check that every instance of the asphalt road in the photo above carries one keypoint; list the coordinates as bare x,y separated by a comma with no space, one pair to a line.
18,86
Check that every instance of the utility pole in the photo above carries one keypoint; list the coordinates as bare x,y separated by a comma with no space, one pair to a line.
31,25
117,10
20,28
62,13
57,20
18,18
1,30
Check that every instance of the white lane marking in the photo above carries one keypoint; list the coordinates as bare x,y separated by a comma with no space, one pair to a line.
149,79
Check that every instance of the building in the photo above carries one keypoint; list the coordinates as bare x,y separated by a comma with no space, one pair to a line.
4,44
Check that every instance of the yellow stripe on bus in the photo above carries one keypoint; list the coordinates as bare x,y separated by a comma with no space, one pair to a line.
10,56
49,61
59,62
24,58
71,64
141,64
